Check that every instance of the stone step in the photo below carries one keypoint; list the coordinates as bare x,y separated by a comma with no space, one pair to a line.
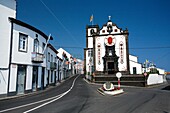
132,80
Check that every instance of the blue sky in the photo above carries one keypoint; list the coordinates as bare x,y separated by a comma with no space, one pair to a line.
147,21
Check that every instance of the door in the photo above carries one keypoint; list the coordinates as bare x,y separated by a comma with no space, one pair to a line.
134,70
48,77
55,77
42,78
21,79
34,78
110,67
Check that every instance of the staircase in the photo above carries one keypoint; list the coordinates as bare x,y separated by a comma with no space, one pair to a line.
130,80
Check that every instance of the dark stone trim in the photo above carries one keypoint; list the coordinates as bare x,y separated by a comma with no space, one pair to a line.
113,24
4,68
94,53
127,54
26,64
110,34
29,27
10,57
51,47
12,93
135,62
92,26
38,89
28,91
86,36
84,61
3,95
52,84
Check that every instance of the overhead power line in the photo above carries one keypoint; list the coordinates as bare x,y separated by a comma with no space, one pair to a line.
165,47
135,48
62,25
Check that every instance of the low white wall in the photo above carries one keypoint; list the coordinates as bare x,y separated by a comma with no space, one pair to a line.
168,78
3,81
154,79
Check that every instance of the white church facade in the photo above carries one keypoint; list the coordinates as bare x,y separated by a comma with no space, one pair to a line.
107,51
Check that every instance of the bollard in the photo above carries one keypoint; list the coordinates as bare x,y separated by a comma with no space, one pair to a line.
118,75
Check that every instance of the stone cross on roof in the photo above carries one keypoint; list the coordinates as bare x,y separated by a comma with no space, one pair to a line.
109,17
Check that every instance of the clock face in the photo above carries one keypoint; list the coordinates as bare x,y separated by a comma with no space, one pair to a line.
109,41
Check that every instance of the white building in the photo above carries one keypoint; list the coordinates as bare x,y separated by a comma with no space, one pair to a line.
52,66
135,66
79,66
7,9
150,67
68,64
28,63
24,64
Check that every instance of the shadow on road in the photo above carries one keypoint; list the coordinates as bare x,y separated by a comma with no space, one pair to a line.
166,88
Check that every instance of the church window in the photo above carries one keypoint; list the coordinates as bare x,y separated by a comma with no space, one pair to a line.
110,52
115,30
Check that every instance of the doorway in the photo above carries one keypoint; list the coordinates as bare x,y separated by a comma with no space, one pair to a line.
42,77
34,78
21,79
110,67
134,70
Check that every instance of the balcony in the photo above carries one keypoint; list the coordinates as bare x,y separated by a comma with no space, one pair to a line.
37,57
53,65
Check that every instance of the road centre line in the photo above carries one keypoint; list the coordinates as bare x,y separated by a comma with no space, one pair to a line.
63,94
57,97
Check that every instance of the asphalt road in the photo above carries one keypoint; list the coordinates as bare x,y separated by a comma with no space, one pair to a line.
77,96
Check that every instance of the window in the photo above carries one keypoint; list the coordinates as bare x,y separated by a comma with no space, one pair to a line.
48,57
23,42
55,59
43,46
36,45
90,53
51,76
110,52
51,58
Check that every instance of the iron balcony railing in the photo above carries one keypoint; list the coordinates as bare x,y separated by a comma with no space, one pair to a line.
37,57
53,65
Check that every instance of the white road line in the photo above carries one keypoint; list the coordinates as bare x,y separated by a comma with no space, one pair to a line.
54,99
29,104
